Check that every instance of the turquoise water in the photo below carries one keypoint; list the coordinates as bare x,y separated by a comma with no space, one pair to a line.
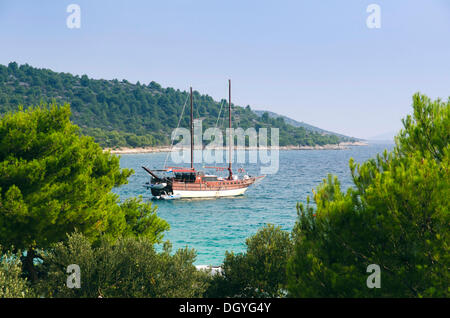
214,226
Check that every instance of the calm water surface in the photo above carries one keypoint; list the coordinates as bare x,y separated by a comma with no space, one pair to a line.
214,226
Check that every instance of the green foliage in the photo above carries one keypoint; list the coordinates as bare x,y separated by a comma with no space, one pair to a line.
428,130
12,284
141,220
119,114
261,272
396,216
53,181
128,268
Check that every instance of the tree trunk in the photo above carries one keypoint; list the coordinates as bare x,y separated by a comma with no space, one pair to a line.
29,265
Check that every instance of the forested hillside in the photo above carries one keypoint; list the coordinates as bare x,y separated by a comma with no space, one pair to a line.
119,113
296,123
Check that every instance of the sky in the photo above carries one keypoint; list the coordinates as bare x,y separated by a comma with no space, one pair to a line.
313,61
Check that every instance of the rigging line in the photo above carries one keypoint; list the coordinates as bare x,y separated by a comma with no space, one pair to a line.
223,122
179,121
220,111
222,125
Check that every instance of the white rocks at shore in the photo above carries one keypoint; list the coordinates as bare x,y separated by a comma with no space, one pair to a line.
213,270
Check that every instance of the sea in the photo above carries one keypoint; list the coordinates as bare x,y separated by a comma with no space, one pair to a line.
214,226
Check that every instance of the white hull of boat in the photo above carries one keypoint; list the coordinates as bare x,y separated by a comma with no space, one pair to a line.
209,194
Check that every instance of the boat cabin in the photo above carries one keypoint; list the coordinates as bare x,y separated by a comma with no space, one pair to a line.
185,176
188,175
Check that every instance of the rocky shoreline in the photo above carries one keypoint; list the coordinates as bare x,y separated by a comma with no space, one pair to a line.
340,146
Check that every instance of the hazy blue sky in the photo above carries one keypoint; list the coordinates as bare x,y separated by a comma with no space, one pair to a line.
314,61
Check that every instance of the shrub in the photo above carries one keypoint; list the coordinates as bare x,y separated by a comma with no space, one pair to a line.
129,267
260,272
12,284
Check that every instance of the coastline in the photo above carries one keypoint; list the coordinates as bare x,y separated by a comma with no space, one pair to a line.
340,146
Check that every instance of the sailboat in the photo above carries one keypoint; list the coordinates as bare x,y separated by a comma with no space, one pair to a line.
190,183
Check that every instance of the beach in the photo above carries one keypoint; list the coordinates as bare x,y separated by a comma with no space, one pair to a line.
340,146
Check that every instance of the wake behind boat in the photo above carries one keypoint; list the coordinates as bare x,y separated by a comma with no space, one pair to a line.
190,183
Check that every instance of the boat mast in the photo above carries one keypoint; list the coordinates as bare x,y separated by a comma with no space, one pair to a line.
229,132
192,134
